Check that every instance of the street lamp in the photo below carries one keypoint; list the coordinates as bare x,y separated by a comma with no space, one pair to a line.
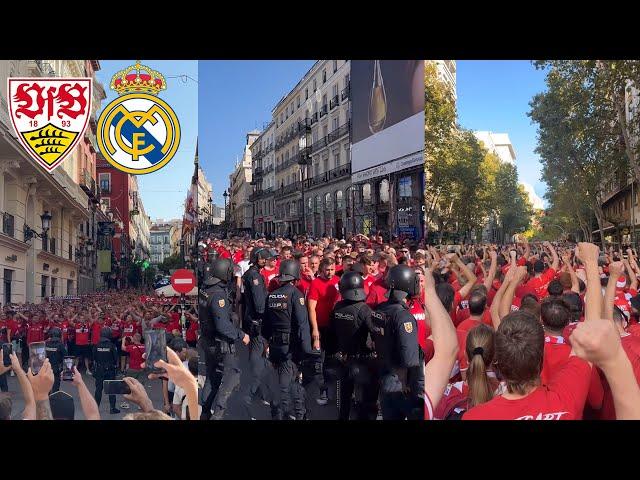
304,147
225,195
29,232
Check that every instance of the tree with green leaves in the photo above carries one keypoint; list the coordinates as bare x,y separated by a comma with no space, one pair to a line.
578,138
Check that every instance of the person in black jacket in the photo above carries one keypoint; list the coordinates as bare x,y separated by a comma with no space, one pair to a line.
350,322
105,363
55,353
396,338
219,334
255,298
286,325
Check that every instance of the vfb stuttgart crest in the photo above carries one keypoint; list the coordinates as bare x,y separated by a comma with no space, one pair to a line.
138,132
49,115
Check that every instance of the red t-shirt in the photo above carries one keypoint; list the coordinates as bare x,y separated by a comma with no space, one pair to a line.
192,330
238,257
368,281
274,284
95,332
424,330
130,328
304,285
35,332
82,333
268,274
135,355
462,331
539,284
563,398
376,294
326,293
631,346
622,300
556,353
464,313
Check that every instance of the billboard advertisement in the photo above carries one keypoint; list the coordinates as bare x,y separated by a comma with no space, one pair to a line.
387,115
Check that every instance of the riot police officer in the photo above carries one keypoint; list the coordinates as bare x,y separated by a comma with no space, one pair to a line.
219,336
55,353
255,297
396,340
200,264
105,363
286,325
351,323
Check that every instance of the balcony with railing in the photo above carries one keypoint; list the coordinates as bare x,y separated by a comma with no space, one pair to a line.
287,163
313,118
49,244
345,92
288,189
258,154
323,110
8,224
87,183
339,173
258,171
334,102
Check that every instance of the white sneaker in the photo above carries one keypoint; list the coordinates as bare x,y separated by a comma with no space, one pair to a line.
124,405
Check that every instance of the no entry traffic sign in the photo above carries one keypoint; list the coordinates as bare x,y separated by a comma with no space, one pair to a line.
183,280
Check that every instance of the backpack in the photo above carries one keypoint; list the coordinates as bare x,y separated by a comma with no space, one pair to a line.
453,403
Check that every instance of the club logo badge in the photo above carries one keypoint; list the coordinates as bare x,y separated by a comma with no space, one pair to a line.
138,132
49,115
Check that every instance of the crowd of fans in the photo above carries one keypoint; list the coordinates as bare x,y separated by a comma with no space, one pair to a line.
78,327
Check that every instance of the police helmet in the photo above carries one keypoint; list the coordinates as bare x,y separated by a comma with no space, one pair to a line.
258,253
403,282
220,270
105,332
55,332
352,286
289,270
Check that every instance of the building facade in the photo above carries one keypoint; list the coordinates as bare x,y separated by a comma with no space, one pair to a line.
62,260
264,178
240,206
205,193
161,242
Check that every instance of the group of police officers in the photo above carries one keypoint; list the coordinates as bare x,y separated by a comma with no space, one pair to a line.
374,358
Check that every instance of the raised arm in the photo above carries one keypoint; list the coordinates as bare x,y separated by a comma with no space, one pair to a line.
87,401
615,269
588,254
489,277
555,260
632,275
575,284
445,343
507,299
29,412
497,300
466,273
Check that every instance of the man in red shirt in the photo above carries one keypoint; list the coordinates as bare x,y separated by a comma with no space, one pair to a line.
323,295
135,348
306,276
269,271
477,313
541,277
83,349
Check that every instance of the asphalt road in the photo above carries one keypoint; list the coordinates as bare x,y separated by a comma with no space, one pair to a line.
153,387
237,411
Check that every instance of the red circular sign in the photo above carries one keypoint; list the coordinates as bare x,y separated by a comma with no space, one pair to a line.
183,280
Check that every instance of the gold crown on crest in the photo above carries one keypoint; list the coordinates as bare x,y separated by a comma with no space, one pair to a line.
138,78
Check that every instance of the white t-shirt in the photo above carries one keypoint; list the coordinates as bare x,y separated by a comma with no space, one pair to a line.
240,269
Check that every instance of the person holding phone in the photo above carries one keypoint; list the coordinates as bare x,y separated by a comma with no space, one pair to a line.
105,362
55,353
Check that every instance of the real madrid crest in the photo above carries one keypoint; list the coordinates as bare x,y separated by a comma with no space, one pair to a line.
49,115
138,132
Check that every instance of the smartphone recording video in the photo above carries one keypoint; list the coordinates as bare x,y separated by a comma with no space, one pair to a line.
37,356
116,387
155,345
7,349
67,369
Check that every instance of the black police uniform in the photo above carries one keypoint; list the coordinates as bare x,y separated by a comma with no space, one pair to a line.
219,335
105,362
350,321
55,353
286,325
255,298
396,339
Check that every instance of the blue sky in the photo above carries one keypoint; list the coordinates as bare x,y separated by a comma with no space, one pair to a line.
164,191
235,98
494,95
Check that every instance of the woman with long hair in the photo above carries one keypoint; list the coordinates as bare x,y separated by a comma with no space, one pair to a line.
480,384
